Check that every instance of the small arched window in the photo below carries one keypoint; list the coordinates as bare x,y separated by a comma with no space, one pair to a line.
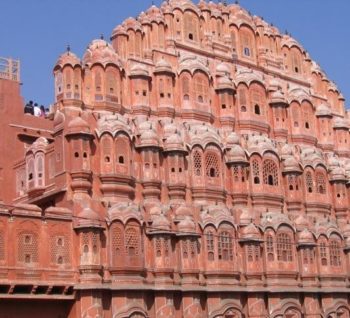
334,253
284,248
197,163
210,244
309,182
225,246
256,171
270,172
186,88
323,253
320,183
269,248
212,165
132,241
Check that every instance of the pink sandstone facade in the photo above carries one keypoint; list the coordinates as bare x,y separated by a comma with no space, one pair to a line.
196,166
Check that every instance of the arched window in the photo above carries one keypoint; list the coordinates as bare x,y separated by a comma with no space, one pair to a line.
212,165
186,88
247,43
122,150
308,255
201,87
117,242
39,165
106,154
256,171
2,245
293,182
112,76
270,172
132,241
320,183
197,163
323,253
59,249
225,246
334,253
210,244
284,248
269,248
309,182
253,252
59,81
191,26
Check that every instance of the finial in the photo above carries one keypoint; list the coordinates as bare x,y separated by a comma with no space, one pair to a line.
101,36
236,2
152,3
68,48
224,3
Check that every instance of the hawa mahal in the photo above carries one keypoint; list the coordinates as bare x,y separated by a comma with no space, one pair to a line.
197,165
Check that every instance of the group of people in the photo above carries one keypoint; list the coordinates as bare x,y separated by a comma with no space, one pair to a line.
34,109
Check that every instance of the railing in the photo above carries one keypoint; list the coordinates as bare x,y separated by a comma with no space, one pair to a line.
9,69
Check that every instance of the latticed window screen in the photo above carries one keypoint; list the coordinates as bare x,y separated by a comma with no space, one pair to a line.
309,181
293,182
236,173
270,172
201,88
323,253
320,183
269,248
117,241
284,248
2,245
185,248
166,246
186,87
28,247
60,249
197,163
210,245
334,253
193,247
250,252
308,255
98,81
242,96
225,246
212,165
132,241
158,246
256,171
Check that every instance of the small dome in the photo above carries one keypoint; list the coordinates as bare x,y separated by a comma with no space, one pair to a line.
347,243
224,83
78,125
232,139
250,232
119,30
139,69
174,143
160,222
346,230
183,211
323,110
278,99
246,217
287,150
68,58
58,119
274,84
100,51
186,225
149,138
236,155
301,222
222,69
169,129
341,123
88,218
337,174
306,237
163,66
290,164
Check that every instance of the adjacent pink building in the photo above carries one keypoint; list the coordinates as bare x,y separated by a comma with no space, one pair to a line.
198,165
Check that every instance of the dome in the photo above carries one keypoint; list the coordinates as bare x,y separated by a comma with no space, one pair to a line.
183,211
323,110
290,164
186,226
306,237
250,232
337,174
278,99
224,83
88,218
169,129
236,155
341,123
222,69
78,126
163,66
232,139
68,58
347,243
346,230
58,119
149,138
301,222
160,222
246,217
139,70
174,143
100,51
287,150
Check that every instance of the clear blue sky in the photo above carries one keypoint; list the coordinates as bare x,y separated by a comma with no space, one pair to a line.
38,31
